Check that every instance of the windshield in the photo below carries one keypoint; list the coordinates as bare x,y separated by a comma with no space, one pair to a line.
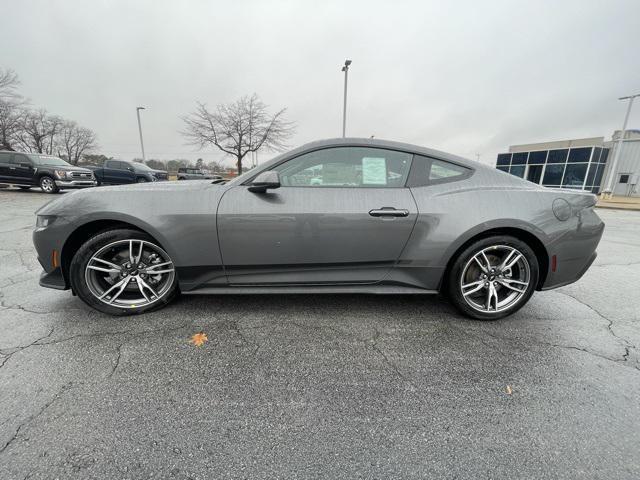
140,166
48,160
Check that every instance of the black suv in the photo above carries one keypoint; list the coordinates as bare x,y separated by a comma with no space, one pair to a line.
51,174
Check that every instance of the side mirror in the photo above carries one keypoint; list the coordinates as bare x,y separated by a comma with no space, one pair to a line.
25,164
265,181
131,169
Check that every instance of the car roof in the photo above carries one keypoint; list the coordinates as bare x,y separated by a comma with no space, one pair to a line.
365,142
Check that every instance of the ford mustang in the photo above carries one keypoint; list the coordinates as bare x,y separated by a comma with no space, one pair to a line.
334,216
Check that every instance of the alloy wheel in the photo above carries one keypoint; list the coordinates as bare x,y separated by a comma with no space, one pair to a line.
47,185
130,273
495,278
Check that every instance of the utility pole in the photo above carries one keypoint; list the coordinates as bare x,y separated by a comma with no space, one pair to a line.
144,158
608,191
345,69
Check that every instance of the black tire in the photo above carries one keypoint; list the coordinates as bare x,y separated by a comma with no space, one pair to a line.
141,180
23,188
454,278
84,254
48,184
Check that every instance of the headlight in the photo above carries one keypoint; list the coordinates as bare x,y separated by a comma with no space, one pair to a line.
43,221
61,174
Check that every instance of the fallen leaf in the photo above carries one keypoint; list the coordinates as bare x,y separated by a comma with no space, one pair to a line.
509,391
198,339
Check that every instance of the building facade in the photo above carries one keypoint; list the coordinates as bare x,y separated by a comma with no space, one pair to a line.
580,164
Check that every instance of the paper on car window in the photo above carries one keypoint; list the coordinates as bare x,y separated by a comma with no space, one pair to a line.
374,171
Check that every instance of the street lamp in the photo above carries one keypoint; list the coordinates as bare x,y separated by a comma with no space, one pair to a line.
608,191
345,69
144,158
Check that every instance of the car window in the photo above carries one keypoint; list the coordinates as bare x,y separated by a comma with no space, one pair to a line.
361,167
430,171
5,157
20,159
440,170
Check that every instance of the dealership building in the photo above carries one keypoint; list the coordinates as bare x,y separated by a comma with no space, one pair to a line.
581,164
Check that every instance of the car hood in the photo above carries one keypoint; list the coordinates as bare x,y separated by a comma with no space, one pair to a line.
102,197
66,168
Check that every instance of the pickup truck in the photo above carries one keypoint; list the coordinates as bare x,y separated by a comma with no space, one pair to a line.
186,173
50,173
120,172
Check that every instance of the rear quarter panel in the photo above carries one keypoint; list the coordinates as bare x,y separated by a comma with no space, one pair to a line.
451,214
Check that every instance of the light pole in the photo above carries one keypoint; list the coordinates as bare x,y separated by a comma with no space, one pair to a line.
345,69
144,158
608,191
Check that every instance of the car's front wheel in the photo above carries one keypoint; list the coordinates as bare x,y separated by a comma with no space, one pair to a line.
48,184
123,272
493,277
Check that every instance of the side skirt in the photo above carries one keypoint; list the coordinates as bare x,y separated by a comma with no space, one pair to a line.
312,289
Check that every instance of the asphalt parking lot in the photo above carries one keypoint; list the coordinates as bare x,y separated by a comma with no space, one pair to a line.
320,386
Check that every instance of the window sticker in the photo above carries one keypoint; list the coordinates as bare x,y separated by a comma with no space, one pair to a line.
374,171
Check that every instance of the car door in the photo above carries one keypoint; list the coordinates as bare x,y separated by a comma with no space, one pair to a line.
341,215
22,169
5,163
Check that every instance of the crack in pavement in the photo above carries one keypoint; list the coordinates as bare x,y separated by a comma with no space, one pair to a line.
116,364
65,387
524,344
20,348
235,325
373,343
626,343
132,332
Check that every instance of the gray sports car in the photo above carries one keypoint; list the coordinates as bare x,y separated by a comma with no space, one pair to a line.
334,216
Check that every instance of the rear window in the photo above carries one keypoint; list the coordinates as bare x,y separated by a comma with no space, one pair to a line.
431,171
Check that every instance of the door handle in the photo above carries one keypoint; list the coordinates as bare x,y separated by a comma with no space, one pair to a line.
12,168
388,212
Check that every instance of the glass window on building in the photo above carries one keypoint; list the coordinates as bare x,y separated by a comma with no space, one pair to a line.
579,155
517,170
604,155
597,151
537,158
519,158
504,159
553,175
557,156
504,169
591,175
575,174
598,180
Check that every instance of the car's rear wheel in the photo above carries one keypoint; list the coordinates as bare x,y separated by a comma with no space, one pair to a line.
493,277
123,272
48,184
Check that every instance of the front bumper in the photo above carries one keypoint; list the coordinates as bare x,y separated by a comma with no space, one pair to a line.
75,183
53,279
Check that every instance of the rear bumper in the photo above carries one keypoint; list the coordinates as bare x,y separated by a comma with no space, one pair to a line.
75,183
575,250
575,278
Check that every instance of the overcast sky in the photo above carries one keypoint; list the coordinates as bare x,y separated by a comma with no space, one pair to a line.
466,76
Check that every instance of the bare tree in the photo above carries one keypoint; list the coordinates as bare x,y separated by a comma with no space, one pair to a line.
238,128
37,131
11,117
9,81
73,141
